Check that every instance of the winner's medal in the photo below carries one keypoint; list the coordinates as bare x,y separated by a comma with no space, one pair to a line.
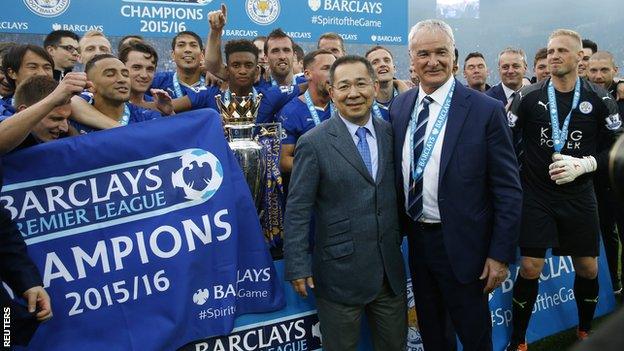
559,136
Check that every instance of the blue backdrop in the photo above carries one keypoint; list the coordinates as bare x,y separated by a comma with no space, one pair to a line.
357,21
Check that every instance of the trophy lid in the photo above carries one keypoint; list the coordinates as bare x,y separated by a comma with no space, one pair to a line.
236,110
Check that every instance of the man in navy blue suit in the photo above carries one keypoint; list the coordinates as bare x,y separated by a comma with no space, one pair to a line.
511,68
460,197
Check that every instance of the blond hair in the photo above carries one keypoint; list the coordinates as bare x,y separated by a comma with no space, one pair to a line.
568,33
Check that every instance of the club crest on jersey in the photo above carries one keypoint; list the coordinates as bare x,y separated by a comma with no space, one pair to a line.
47,8
511,119
586,107
614,122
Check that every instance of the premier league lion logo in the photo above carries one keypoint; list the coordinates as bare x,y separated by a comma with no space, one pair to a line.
206,167
47,8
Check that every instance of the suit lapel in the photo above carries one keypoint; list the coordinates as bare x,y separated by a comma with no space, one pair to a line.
383,149
457,116
402,123
343,143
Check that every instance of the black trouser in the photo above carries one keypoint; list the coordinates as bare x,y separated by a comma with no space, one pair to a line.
611,216
438,294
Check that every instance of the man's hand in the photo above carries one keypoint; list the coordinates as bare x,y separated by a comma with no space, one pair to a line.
163,101
72,84
565,169
38,299
217,19
495,272
299,285
212,80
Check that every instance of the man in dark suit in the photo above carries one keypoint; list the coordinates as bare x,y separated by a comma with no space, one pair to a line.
511,68
22,276
460,193
344,172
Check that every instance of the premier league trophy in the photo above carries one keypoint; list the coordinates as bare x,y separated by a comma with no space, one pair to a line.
239,115
257,148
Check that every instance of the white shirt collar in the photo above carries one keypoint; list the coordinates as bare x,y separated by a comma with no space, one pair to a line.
352,127
508,91
439,95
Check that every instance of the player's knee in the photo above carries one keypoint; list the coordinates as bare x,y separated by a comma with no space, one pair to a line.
587,271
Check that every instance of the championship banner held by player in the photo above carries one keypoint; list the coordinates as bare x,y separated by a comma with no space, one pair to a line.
381,22
146,235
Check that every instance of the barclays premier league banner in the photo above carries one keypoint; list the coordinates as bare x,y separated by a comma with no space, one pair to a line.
146,236
357,21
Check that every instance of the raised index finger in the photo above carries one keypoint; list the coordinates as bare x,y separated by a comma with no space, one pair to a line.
224,10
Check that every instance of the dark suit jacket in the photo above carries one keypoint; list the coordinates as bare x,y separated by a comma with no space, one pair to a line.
357,236
498,93
479,193
19,272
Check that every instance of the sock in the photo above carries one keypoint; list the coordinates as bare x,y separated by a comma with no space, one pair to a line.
586,296
524,296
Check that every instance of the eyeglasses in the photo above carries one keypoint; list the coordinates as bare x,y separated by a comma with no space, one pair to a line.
68,48
360,85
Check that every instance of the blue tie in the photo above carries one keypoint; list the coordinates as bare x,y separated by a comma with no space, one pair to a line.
362,147
415,204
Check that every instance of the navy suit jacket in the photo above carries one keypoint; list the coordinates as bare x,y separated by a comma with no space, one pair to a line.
498,93
479,192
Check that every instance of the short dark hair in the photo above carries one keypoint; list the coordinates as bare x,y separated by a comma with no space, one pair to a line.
473,55
378,47
141,47
276,34
589,44
332,36
33,90
351,59
121,44
298,51
187,32
54,38
242,45
541,54
95,59
13,59
310,57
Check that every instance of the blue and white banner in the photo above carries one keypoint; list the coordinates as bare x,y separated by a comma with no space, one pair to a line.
296,328
357,21
146,235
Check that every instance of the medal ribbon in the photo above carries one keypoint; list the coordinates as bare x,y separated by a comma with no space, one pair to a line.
559,136
419,168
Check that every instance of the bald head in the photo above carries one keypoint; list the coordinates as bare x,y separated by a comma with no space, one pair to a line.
603,55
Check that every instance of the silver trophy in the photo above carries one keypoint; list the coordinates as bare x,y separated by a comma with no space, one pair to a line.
239,116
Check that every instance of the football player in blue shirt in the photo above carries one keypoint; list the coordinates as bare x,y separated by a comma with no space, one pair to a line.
278,48
241,72
43,108
383,63
308,110
141,59
111,92
187,53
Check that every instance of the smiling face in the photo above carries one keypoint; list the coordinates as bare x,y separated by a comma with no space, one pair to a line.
317,73
280,55
383,64
31,65
432,58
601,72
52,126
111,80
92,46
187,53
353,91
511,68
541,69
141,68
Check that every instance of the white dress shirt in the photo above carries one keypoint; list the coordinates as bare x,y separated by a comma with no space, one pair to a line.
508,91
371,139
431,212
